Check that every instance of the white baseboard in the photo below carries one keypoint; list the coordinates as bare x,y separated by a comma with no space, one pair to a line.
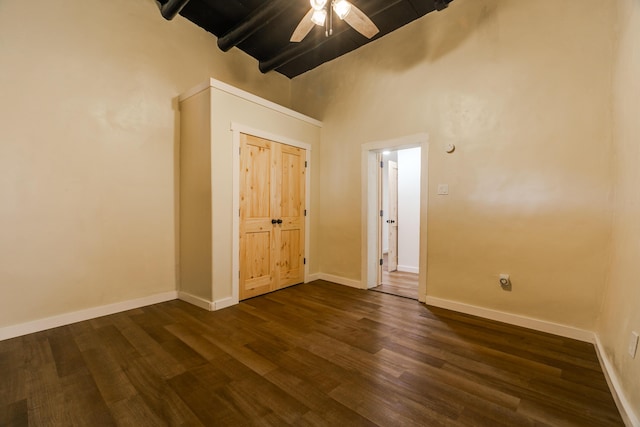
312,277
206,304
195,300
81,315
224,303
630,418
407,269
514,319
341,280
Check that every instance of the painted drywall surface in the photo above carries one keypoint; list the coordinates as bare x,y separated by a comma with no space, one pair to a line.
227,109
88,126
409,210
523,90
621,310
195,259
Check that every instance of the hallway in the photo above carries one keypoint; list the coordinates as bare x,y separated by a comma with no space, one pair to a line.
397,283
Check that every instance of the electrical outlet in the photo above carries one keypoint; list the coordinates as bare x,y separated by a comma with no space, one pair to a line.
505,282
633,345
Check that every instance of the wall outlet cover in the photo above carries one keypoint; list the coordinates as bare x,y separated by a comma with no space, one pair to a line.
505,282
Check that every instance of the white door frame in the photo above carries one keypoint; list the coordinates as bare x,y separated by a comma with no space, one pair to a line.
237,129
370,214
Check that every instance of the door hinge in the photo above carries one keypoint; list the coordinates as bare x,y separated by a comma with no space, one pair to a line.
381,213
381,261
304,260
382,164
305,163
305,212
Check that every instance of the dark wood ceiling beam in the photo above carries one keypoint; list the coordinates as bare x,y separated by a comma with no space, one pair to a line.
290,53
171,8
255,21
441,4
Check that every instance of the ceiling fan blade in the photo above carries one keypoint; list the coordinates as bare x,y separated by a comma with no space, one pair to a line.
361,22
303,28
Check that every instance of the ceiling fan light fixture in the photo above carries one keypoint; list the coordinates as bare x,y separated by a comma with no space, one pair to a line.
318,4
319,16
341,8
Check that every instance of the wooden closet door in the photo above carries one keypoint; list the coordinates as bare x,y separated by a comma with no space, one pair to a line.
257,209
272,211
290,195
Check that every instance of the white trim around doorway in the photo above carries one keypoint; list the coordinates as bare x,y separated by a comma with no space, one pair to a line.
370,212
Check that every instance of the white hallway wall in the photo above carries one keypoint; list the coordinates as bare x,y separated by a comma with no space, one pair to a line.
409,210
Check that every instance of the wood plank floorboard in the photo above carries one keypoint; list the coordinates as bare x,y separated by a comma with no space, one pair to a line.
398,283
317,354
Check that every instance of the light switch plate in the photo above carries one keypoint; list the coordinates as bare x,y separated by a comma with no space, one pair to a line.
443,189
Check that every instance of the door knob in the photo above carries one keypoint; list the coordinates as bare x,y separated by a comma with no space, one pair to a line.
273,221
279,221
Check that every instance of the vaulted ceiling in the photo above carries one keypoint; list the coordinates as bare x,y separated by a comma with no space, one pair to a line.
262,28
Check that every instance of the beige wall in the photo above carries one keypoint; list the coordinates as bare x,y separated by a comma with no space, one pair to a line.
523,89
195,250
621,313
88,131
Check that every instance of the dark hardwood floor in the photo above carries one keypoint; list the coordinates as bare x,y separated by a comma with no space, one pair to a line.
315,354
397,283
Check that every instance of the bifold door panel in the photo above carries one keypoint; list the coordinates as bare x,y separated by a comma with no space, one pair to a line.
272,195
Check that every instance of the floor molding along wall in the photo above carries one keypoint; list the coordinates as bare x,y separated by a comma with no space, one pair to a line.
513,319
341,280
630,418
81,315
312,277
407,269
224,303
195,300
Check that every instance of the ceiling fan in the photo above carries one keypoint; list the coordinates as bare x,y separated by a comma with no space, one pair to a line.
321,14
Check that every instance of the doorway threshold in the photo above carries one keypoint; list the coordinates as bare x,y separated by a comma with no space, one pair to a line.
392,290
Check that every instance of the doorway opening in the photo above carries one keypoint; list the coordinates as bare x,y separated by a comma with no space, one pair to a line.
400,222
394,232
